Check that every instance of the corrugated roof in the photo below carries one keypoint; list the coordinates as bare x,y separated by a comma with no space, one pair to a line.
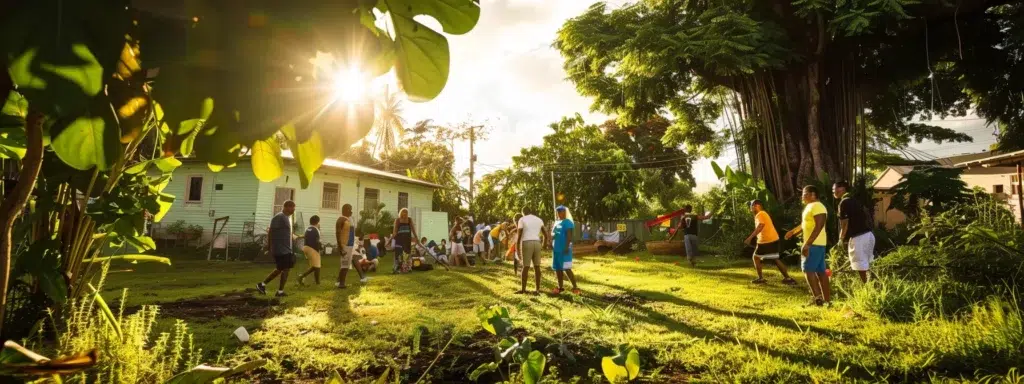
359,169
1001,159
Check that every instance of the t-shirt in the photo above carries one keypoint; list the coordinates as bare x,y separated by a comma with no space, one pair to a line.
692,225
531,226
281,234
850,209
312,237
562,232
496,231
768,233
807,225
371,253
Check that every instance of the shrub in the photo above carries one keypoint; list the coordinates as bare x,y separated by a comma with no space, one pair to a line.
908,300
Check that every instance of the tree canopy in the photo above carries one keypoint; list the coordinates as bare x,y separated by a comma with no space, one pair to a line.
810,80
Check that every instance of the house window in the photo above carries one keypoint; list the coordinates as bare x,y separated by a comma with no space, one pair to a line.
194,190
370,198
330,199
403,200
280,196
997,189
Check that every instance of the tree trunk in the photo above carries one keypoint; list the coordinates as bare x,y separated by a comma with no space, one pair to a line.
814,120
14,203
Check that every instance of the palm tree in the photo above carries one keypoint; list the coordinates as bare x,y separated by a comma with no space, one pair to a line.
390,126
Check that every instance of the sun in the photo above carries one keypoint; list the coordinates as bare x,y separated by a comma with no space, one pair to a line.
350,85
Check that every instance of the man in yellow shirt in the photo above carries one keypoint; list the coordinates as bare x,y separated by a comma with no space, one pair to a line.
767,243
812,255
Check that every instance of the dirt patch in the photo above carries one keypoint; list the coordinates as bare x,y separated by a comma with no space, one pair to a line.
623,298
236,304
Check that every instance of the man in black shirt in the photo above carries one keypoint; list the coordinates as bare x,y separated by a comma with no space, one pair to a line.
855,230
690,226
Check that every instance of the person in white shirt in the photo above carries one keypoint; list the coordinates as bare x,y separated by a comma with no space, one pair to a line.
530,229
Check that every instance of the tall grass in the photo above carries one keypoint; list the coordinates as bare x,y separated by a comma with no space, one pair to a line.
137,355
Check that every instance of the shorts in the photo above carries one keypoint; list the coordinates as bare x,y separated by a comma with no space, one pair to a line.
531,253
767,251
478,247
690,242
815,260
346,256
312,255
367,262
862,251
458,249
285,261
561,261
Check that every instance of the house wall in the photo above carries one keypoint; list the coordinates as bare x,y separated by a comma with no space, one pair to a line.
308,202
236,199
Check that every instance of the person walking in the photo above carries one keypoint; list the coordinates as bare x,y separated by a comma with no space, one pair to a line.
311,249
812,254
279,240
855,230
404,233
345,231
458,251
530,230
767,245
690,226
561,247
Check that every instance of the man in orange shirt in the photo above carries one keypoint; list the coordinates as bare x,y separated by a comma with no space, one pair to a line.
767,243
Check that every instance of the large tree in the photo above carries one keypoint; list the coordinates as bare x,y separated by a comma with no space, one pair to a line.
425,157
592,176
811,80
667,170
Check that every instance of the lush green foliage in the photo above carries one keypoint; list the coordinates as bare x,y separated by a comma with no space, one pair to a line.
928,189
376,221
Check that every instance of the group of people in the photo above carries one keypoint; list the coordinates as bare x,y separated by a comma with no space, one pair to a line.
521,236
280,239
854,231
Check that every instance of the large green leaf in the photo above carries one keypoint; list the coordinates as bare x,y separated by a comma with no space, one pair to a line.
165,200
309,154
91,139
455,16
108,315
633,363
483,369
267,163
494,319
533,367
613,372
423,58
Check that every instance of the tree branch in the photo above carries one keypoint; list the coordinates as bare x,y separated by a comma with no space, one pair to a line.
14,204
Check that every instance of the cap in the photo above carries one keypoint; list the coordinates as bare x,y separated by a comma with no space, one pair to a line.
755,201
560,208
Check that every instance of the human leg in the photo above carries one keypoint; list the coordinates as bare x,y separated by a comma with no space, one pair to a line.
572,279
757,267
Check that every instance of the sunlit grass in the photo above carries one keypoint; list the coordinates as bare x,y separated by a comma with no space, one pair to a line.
705,325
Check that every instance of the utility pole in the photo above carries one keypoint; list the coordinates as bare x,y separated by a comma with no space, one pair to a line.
554,201
472,159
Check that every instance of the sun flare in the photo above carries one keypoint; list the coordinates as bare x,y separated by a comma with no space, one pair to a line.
350,85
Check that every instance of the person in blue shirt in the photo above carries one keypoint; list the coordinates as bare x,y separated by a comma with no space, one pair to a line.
312,249
369,261
562,249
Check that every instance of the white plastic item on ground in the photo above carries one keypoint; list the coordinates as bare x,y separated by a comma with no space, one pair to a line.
242,334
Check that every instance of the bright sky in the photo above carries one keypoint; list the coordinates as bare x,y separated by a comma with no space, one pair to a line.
505,74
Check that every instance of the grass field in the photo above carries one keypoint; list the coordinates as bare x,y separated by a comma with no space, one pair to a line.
704,324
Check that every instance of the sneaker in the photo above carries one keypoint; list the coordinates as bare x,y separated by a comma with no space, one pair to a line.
364,280
577,291
339,286
302,281
815,302
262,288
789,281
556,291
281,294
758,281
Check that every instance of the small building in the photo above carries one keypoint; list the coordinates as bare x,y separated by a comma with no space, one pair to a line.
992,172
201,196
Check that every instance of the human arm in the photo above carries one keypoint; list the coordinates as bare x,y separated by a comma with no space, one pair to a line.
794,232
394,229
844,218
567,229
753,235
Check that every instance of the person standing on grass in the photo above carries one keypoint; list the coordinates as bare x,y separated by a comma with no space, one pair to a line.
312,249
530,229
561,247
458,251
279,240
767,246
404,233
345,231
513,243
812,255
855,230
690,226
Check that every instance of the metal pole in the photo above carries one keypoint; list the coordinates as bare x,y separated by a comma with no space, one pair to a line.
1020,191
472,159
554,201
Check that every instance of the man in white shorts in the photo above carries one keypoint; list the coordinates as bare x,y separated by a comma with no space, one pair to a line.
855,230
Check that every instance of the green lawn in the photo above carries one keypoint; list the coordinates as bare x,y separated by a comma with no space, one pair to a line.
707,324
